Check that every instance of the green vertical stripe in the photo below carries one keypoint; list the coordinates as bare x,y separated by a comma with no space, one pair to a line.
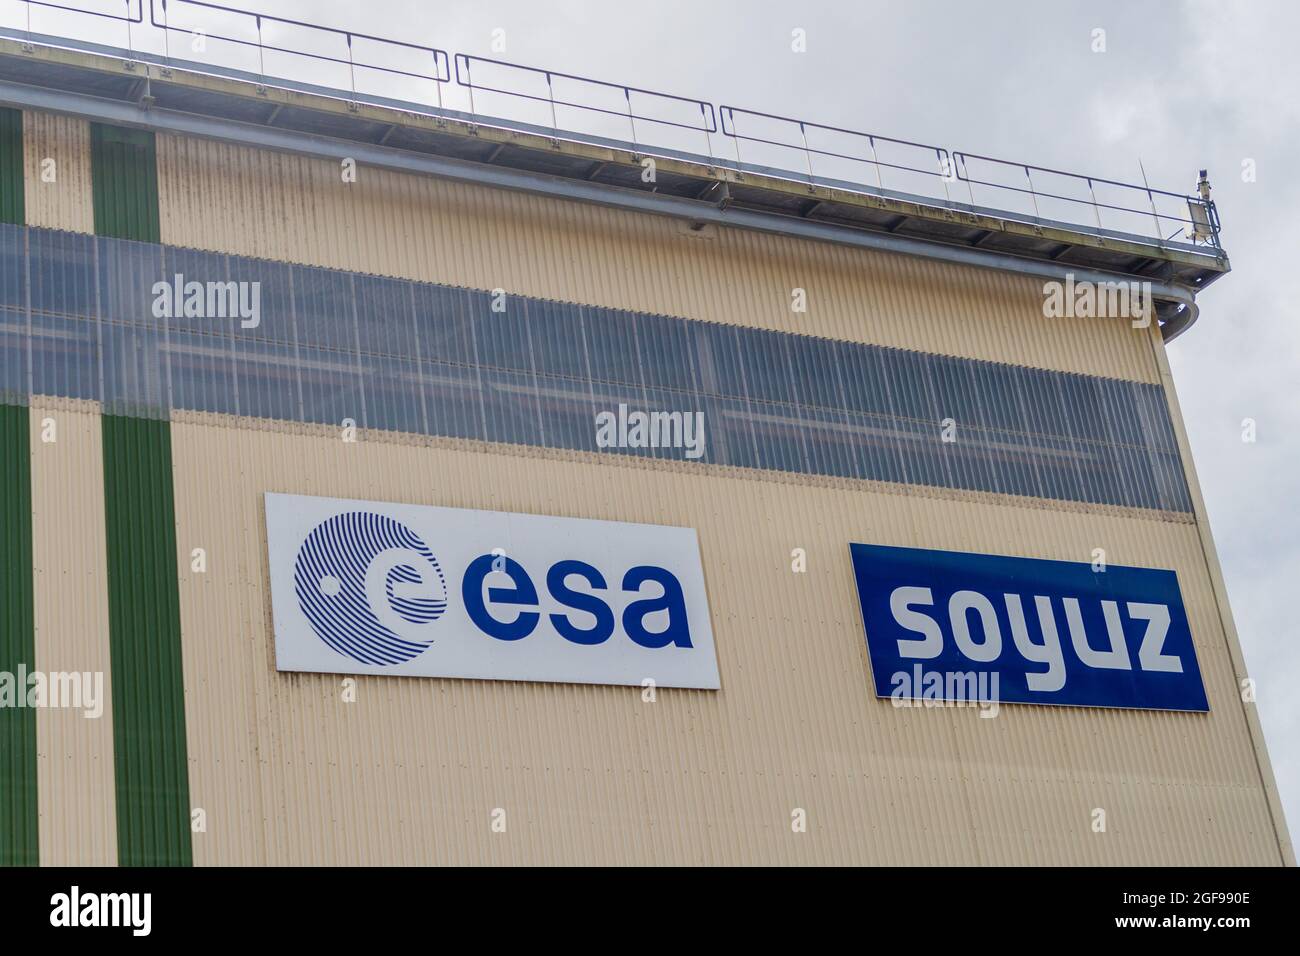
149,754
149,751
18,812
11,167
124,180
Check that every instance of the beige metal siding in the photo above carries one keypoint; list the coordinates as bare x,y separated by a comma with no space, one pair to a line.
229,198
65,202
411,772
75,753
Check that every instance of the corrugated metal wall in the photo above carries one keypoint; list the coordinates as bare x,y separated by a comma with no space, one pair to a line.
286,772
59,194
240,200
289,773
153,821
76,791
125,178
11,166
18,810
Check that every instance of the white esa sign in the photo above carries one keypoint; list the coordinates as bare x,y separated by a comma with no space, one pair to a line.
364,587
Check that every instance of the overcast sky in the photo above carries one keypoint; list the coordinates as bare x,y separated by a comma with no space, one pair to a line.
1180,86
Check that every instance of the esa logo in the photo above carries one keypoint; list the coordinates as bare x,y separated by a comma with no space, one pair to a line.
370,588
373,591
522,593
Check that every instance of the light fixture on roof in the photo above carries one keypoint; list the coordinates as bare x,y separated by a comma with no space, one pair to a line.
1199,212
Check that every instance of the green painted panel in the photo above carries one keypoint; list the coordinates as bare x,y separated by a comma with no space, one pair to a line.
18,812
124,179
11,166
149,752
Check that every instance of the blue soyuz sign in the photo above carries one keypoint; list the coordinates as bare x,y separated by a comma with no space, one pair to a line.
1040,632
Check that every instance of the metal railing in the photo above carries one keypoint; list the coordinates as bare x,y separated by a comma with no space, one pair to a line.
125,4
897,166
1197,217
440,60
707,123
936,163
126,16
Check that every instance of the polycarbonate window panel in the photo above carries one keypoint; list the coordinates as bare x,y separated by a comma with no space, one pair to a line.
686,427
970,459
128,273
329,346
444,324
1171,490
271,298
567,412
266,379
815,372
323,309
863,379
1059,467
612,346
1011,459
133,370
14,341
827,442
331,387
1087,463
719,361
13,265
999,395
1100,470
1157,430
503,338
202,373
955,459
911,393
875,449
606,397
778,433
954,391
385,324
728,433
1073,407
1127,479
65,356
510,409
766,368
556,332
394,396
667,353
1084,407
63,273
190,265
1122,427
919,446
1042,405
1137,486
453,401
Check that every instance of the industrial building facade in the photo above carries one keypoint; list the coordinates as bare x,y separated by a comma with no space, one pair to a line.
448,339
